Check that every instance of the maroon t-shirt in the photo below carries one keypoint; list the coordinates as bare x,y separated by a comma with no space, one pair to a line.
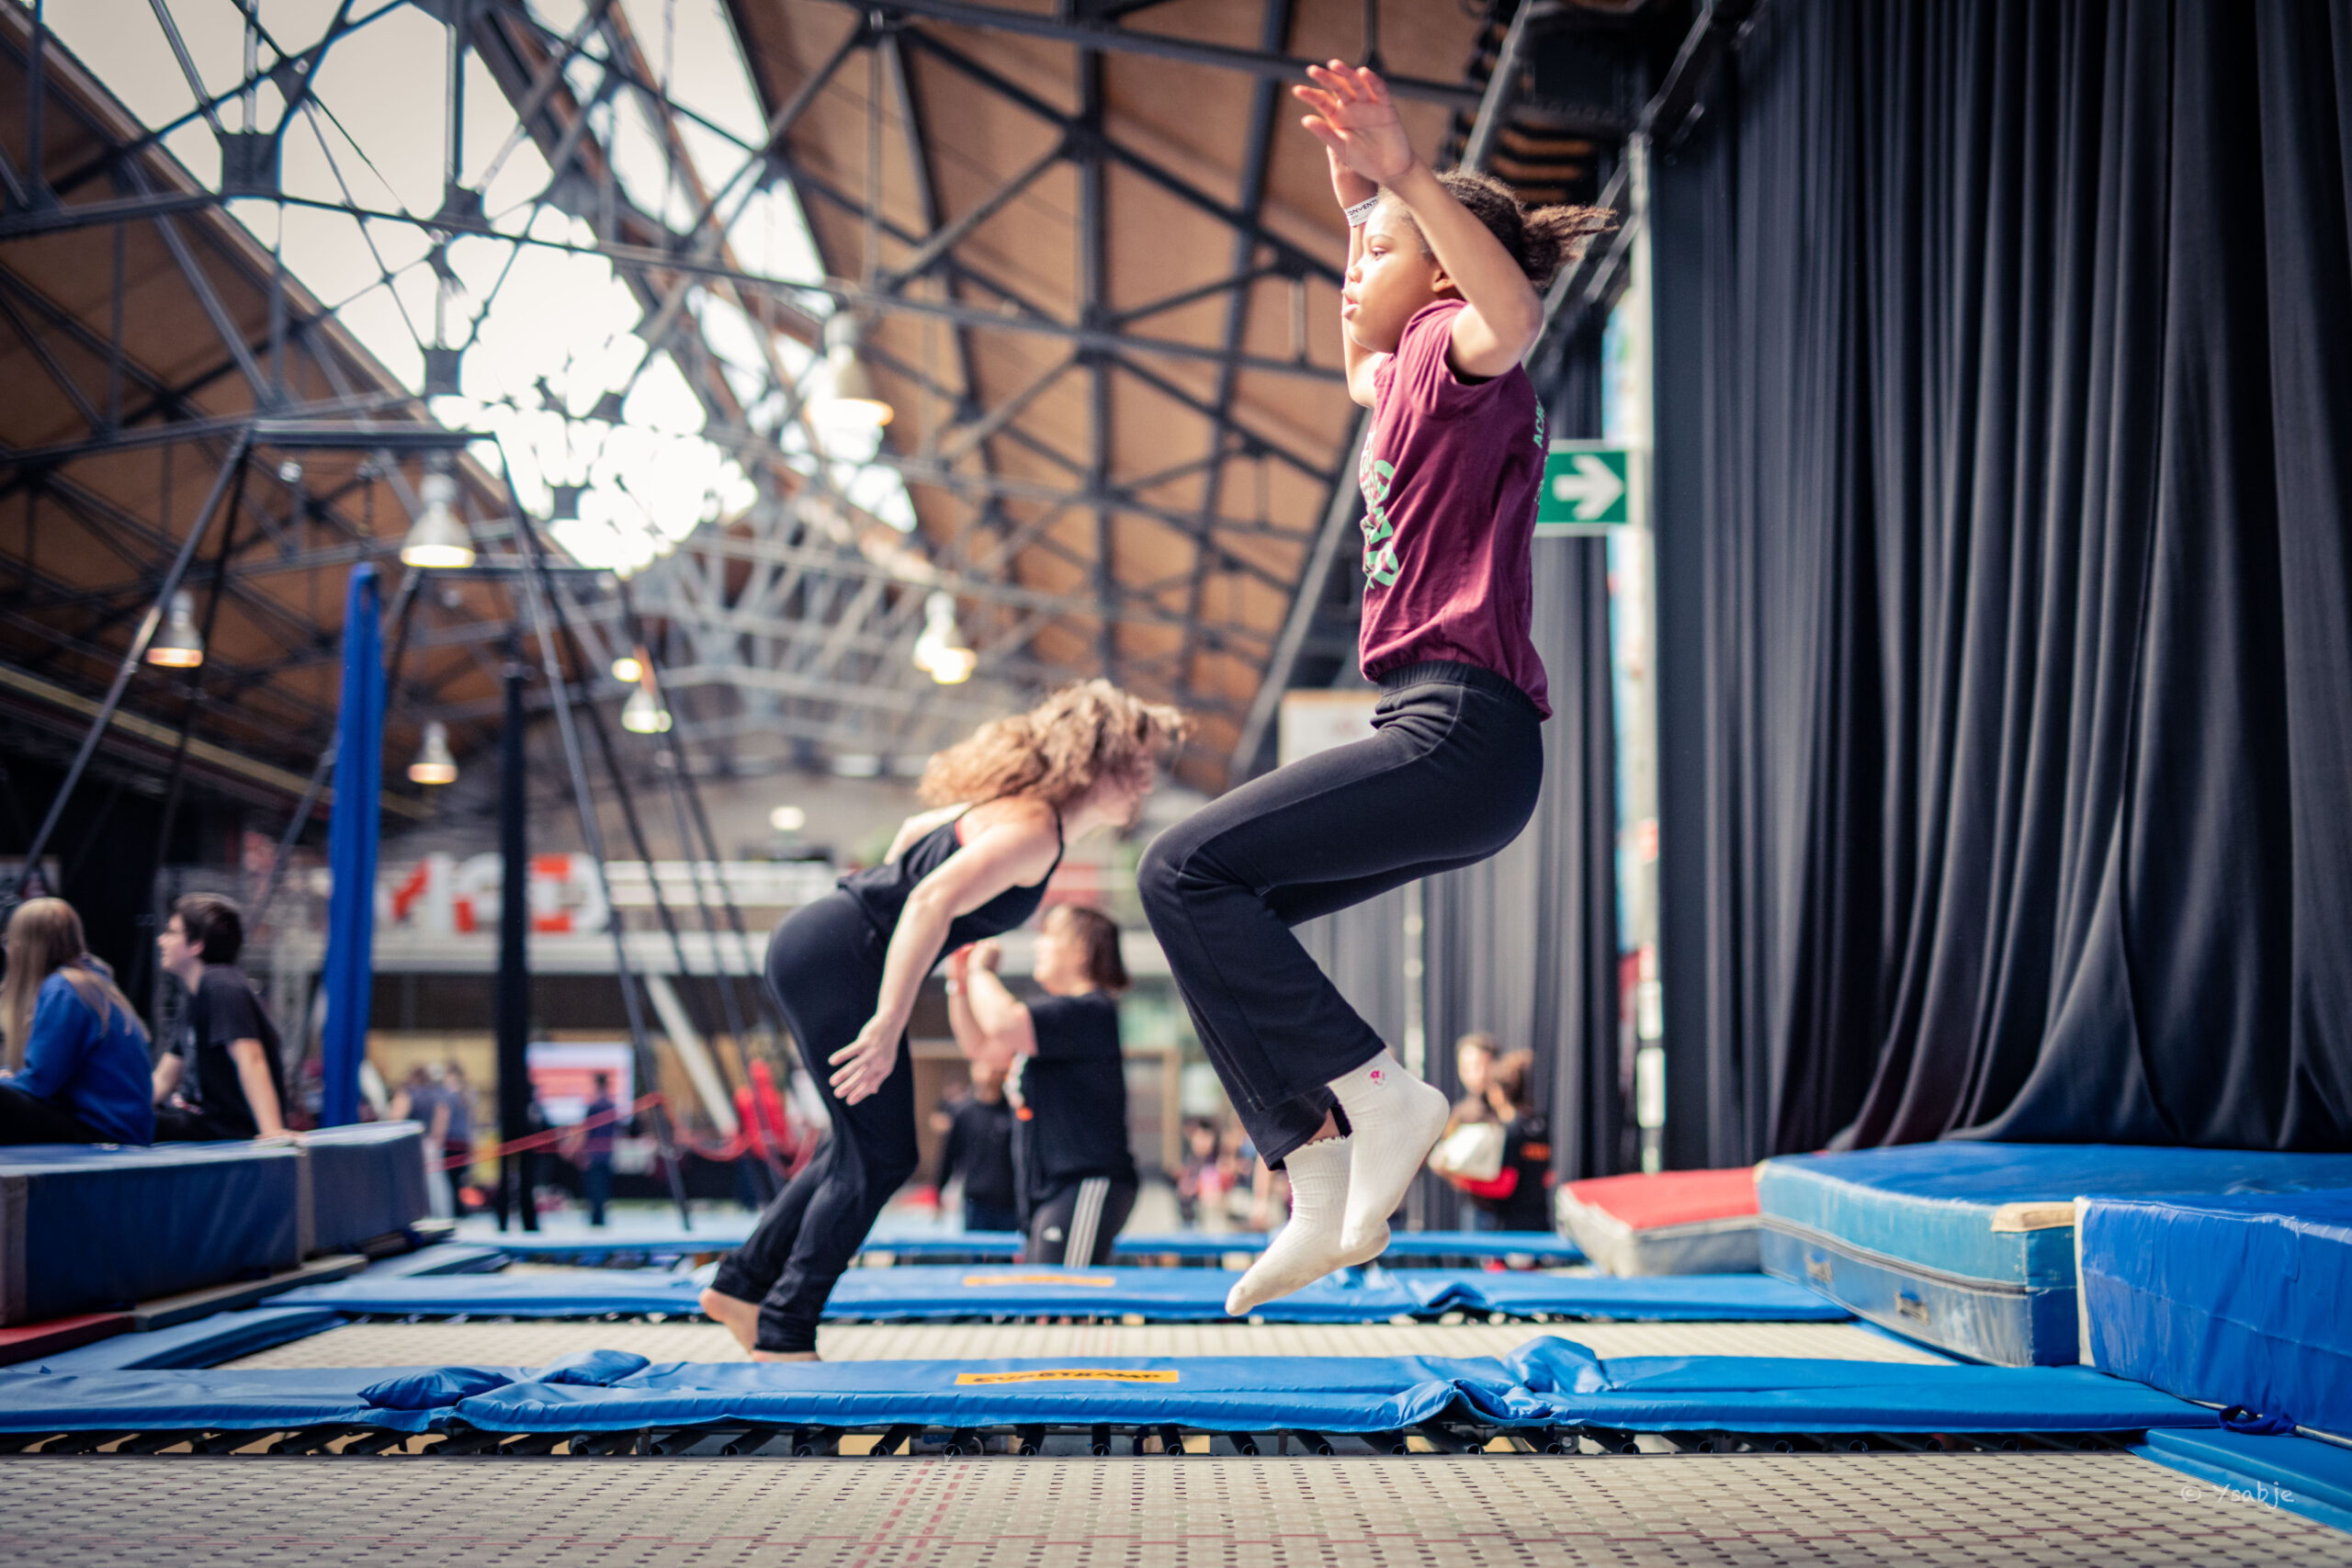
1450,476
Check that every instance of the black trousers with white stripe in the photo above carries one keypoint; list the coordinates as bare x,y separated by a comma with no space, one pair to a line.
1079,1223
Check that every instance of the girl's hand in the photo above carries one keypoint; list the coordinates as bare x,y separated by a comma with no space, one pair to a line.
1357,122
860,1067
988,955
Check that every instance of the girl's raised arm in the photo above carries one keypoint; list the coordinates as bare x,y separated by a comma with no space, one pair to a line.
1357,122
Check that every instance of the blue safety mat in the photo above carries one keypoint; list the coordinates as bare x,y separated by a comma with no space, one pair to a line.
1678,1298
1542,1246
2299,1474
541,1292
1547,1381
362,1182
1970,1247
2243,1301
443,1257
103,1226
1166,1295
205,1342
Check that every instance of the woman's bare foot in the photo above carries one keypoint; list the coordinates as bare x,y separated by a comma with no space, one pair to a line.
741,1318
784,1355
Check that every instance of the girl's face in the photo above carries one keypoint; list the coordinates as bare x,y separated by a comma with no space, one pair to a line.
1392,277
1056,962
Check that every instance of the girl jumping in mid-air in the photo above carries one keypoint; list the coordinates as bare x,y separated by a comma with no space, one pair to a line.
1439,305
846,970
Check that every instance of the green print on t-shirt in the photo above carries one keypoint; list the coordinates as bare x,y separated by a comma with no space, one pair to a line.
1379,535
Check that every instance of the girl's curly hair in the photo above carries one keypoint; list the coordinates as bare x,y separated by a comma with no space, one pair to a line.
1541,239
1059,749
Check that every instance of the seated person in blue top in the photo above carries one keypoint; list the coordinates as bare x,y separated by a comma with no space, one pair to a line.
220,1079
77,1052
1069,1080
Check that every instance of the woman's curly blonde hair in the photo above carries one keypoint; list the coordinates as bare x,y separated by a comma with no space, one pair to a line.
1059,749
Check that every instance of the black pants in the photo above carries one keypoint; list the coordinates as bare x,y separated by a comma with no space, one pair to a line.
1079,1223
1448,777
27,1118
179,1124
825,966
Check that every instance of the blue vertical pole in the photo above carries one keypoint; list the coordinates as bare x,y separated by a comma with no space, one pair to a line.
351,848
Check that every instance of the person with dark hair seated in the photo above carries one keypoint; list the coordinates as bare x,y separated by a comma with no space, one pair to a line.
77,1054
222,1078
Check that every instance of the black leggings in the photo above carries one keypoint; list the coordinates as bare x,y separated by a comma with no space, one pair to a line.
27,1118
825,965
1448,777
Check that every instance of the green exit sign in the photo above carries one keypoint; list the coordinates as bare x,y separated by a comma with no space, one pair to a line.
1590,487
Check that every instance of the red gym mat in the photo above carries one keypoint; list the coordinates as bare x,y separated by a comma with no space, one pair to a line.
1676,1221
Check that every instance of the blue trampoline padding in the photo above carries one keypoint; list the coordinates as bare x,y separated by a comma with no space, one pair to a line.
1543,1246
2299,1474
2240,1301
205,1342
1197,1244
1003,1244
1669,1298
545,1293
1970,1246
1547,1381
445,1258
363,1181
89,1226
1167,1296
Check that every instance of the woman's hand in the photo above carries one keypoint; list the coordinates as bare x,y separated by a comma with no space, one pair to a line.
1356,121
986,955
860,1067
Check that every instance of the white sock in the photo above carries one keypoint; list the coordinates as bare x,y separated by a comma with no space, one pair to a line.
1307,1246
1394,1119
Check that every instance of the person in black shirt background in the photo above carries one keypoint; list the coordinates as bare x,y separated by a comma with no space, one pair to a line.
979,1149
222,1078
1068,1079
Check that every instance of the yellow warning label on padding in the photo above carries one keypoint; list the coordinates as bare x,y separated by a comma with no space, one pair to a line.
1069,1374
1101,1281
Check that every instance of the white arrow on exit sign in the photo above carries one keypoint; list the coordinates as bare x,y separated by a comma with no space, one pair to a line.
1592,488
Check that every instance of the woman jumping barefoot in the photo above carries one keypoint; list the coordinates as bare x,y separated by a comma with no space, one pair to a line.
846,969
1439,305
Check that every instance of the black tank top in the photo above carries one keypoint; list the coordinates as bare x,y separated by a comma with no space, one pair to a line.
881,890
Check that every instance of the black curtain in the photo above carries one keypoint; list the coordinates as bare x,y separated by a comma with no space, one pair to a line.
1524,945
2005,408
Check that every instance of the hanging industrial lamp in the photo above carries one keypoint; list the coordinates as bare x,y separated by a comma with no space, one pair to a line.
437,540
178,646
628,670
941,651
643,712
851,397
433,764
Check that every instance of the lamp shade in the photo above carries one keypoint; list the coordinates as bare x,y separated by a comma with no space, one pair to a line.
643,712
941,651
433,764
438,539
850,395
177,644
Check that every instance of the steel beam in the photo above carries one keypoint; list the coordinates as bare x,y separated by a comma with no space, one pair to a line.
1101,36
